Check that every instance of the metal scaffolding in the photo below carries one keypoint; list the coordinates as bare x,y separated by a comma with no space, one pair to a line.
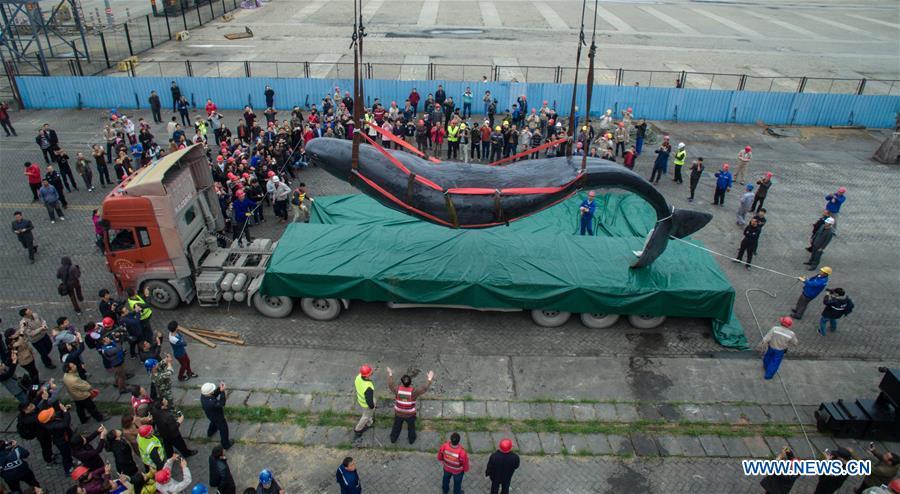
31,36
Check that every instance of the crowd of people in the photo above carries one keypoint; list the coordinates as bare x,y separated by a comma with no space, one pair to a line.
255,164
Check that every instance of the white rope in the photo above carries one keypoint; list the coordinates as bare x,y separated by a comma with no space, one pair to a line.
734,259
780,379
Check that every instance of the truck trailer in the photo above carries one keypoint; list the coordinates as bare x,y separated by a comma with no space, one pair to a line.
162,232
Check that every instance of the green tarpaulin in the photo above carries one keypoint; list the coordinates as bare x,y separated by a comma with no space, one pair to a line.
355,248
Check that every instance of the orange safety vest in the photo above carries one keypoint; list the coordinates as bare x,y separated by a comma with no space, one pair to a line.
405,403
453,458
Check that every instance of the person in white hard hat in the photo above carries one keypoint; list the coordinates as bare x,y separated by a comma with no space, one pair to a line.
212,399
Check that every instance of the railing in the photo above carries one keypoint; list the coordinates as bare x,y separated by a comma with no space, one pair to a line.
110,51
493,73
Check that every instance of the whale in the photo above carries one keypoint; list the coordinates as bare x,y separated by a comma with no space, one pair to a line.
472,196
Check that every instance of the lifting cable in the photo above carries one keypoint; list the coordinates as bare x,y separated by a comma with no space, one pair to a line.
571,132
590,85
759,327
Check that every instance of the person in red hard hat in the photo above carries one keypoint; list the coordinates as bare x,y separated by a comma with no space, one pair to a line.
744,156
776,342
501,466
365,398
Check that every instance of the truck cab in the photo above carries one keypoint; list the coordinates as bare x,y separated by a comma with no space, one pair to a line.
161,233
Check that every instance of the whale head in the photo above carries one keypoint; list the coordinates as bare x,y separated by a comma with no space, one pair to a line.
332,155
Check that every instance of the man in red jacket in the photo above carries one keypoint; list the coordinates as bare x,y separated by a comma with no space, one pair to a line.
33,172
456,463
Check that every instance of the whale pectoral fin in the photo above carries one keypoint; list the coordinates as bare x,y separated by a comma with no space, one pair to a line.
639,253
655,244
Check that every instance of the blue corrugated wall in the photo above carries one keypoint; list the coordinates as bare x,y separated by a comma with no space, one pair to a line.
694,105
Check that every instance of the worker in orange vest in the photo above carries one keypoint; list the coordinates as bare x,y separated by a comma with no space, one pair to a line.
456,463
405,403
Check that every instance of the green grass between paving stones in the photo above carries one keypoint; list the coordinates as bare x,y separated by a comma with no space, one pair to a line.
329,418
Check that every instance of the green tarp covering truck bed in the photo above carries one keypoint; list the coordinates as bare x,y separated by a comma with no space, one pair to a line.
353,248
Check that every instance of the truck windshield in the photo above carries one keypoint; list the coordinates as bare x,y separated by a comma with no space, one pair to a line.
120,239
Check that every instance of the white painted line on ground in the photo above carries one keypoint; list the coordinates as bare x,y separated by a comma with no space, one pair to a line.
415,67
323,65
302,14
509,69
694,80
614,20
221,46
680,26
553,19
839,25
876,21
786,25
489,15
787,85
429,13
729,23
371,8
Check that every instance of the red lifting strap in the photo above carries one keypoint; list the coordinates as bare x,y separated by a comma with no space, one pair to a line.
397,201
530,151
399,165
397,140
514,191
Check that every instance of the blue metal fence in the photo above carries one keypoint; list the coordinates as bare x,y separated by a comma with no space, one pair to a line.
694,105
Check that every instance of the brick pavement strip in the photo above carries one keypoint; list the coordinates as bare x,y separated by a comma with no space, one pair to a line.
453,409
605,412
713,446
475,409
551,443
644,444
498,409
528,442
480,442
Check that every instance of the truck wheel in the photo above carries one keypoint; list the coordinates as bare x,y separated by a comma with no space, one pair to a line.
550,318
162,295
272,306
599,321
646,322
321,309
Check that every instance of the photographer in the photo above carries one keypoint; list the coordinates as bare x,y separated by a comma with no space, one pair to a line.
114,361
134,331
837,305
780,484
8,377
108,306
884,468
24,355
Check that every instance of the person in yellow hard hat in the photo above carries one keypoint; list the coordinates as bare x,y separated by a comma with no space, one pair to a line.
465,142
812,287
365,398
496,143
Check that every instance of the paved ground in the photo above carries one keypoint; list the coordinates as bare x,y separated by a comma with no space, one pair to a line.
760,38
503,356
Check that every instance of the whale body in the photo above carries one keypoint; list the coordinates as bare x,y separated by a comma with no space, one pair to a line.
461,195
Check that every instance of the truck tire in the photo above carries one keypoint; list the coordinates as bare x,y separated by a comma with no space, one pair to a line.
550,318
162,295
598,321
645,322
321,309
272,306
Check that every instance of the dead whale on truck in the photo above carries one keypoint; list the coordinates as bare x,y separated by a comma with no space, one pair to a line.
467,195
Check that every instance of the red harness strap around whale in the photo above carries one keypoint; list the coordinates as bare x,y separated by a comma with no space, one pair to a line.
478,191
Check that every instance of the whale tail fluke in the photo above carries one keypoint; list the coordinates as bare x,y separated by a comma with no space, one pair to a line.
680,224
686,222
